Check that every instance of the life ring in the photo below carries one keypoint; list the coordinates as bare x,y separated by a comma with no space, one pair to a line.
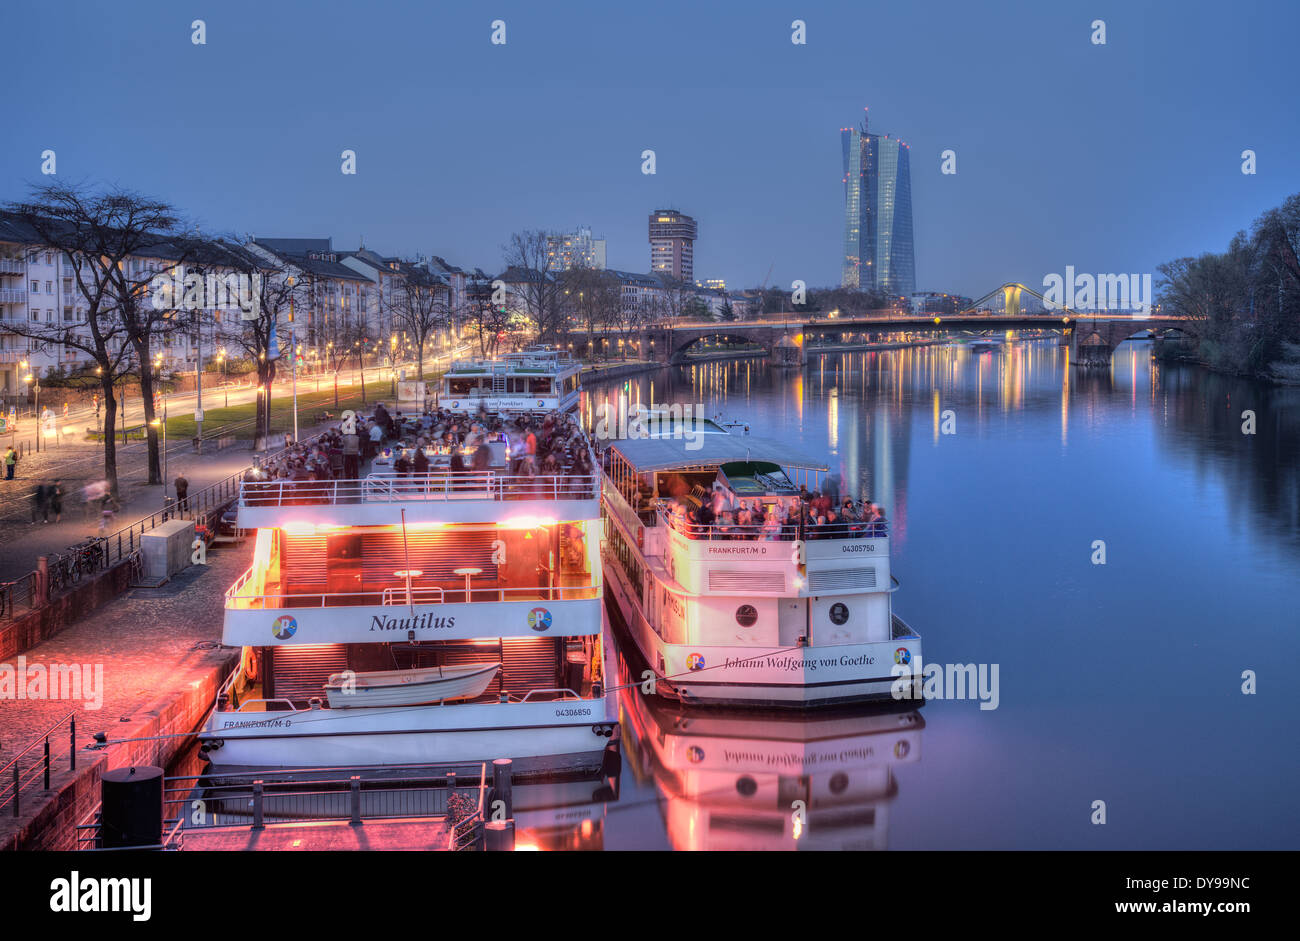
249,664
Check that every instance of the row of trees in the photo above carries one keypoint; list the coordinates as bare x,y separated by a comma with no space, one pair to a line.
1245,300
106,238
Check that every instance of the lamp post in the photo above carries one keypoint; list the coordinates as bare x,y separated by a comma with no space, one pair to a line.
198,382
293,345
35,385
225,378
162,423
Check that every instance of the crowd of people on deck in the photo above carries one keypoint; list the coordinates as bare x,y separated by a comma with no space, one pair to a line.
536,446
812,515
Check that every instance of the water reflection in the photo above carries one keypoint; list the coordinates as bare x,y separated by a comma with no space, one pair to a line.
736,780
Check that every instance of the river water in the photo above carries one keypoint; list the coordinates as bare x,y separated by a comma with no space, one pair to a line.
1119,683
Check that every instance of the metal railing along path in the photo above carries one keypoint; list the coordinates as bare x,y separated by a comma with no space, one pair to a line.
254,799
35,762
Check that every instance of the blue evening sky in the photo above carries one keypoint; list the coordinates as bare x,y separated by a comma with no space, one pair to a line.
1110,158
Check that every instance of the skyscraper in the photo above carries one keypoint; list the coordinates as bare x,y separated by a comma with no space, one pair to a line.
878,253
672,244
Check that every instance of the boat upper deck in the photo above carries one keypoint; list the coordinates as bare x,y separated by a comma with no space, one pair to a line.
436,466
733,514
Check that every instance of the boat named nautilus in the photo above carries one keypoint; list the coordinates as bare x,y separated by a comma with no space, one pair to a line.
407,618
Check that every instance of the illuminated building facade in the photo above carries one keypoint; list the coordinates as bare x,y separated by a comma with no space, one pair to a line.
878,252
672,244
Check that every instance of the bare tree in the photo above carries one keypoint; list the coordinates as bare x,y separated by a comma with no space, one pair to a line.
420,306
257,331
592,297
539,290
100,235
487,318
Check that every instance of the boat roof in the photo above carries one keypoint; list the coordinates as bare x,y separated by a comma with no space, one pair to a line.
750,477
656,454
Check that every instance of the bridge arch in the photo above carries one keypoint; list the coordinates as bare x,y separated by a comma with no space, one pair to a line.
684,340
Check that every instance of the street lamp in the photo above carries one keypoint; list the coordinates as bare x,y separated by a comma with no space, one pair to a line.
36,408
159,423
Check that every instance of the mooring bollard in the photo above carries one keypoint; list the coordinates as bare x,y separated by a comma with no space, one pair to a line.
258,823
501,788
356,800
132,802
499,835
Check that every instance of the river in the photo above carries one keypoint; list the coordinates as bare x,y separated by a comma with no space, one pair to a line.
1120,684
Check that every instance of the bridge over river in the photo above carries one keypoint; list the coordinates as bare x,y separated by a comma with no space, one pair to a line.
1092,338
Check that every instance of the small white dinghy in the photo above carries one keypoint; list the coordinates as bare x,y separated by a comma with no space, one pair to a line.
409,687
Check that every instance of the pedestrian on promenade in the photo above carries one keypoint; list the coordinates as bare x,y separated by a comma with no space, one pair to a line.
41,502
55,494
182,493
106,513
11,461
92,496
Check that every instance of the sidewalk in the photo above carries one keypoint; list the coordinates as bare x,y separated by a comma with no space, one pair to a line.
23,541
155,647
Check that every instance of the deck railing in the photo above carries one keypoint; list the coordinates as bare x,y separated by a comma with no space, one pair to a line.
782,532
238,597
438,486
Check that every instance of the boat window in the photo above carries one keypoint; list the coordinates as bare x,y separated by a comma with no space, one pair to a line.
462,386
539,385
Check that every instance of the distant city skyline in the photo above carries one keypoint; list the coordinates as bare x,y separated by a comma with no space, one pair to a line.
1072,154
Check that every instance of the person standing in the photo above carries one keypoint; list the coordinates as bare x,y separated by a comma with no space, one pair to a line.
11,462
182,493
55,493
41,502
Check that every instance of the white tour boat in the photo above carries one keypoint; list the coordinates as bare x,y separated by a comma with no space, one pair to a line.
789,615
387,583
538,380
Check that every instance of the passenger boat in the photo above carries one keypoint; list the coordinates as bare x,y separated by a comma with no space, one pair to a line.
783,616
538,380
483,575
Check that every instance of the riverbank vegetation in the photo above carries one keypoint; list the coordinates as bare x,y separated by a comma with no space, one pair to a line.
1245,301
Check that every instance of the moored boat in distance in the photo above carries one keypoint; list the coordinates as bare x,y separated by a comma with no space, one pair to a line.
440,616
537,380
756,605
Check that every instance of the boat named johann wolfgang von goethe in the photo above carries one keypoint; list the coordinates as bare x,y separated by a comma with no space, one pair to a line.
417,618
778,616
